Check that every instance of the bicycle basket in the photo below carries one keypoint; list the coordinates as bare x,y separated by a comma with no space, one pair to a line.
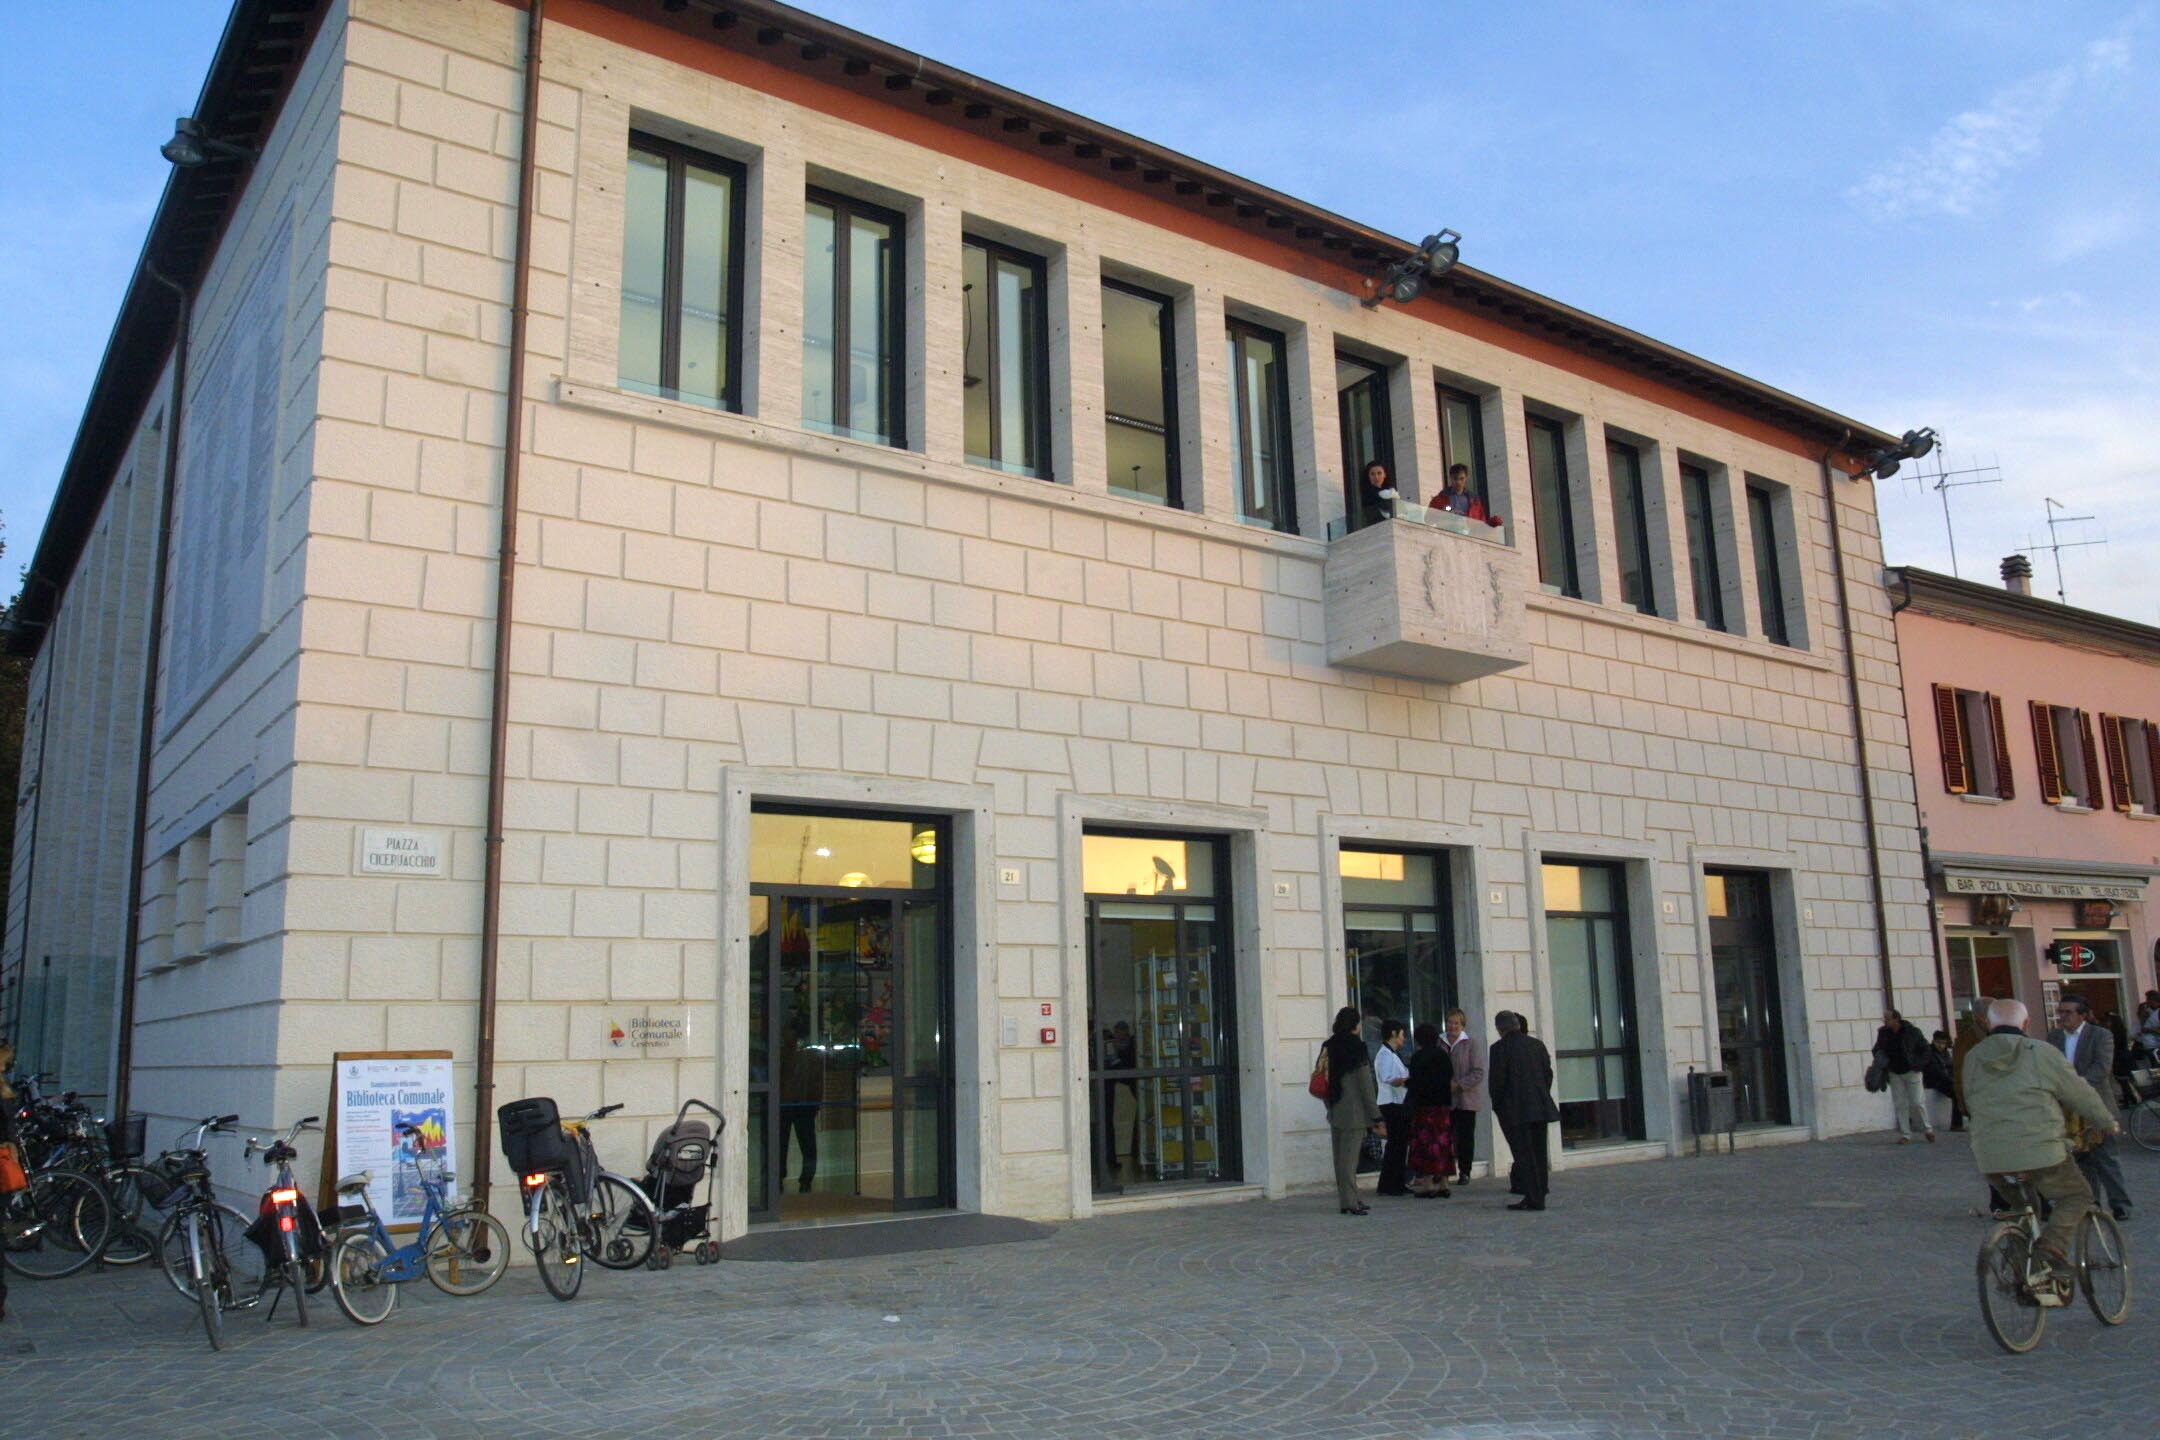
125,1137
532,1135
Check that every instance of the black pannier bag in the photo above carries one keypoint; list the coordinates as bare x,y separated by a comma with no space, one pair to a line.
532,1135
306,1227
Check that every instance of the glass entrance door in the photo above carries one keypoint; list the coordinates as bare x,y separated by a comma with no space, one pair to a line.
1595,1063
1396,943
1751,1025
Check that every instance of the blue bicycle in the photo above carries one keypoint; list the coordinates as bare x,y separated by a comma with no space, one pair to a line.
462,1250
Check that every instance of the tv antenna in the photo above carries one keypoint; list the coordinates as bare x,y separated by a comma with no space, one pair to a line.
1942,482
2056,544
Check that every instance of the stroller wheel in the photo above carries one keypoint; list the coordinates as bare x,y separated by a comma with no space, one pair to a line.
711,1251
662,1257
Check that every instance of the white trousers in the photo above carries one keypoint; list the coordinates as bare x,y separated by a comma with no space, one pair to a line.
1909,1101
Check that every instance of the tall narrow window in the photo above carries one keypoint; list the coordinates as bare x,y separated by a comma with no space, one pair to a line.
1260,426
1631,526
1139,394
1769,585
1462,438
2133,762
682,275
1555,513
1975,748
1695,499
1006,365
1368,435
852,319
2068,758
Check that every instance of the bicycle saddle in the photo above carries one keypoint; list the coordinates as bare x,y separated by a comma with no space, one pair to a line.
355,1183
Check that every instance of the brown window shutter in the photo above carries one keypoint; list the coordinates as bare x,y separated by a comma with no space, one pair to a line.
2044,751
2092,795
2118,760
2005,786
1957,773
2152,748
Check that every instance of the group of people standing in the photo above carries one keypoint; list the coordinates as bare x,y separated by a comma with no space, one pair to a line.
1424,1105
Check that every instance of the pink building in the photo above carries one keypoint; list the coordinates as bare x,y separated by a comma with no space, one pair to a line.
2036,751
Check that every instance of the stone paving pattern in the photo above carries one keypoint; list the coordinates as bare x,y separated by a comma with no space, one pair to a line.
1807,1291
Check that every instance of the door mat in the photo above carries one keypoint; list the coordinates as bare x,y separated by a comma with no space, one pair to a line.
883,1237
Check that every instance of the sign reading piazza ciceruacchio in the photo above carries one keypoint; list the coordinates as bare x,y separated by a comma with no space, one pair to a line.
2043,887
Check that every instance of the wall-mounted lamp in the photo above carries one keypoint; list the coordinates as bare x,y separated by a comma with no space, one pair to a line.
190,147
1913,445
1407,278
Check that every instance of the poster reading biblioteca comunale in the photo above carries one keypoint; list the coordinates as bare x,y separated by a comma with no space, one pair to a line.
375,1097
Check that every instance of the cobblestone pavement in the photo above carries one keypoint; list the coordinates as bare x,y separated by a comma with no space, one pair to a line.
1816,1290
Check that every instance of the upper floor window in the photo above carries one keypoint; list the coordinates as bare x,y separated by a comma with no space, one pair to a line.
853,335
2069,760
1698,503
1139,394
1368,438
2133,762
1260,426
1631,526
1006,358
1462,439
682,275
1769,581
1555,507
1975,748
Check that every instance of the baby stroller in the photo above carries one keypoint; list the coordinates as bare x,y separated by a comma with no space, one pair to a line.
685,1153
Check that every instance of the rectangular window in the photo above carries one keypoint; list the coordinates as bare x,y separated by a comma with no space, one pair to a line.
1260,426
2069,758
1396,932
1598,1080
1631,526
1696,499
1769,584
2133,762
1005,358
1554,509
682,275
853,334
1139,395
1368,437
1975,747
1462,439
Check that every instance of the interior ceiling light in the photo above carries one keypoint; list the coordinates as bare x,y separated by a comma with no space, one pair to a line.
1406,279
924,846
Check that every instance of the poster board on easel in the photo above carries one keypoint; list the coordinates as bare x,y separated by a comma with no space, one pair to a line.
371,1093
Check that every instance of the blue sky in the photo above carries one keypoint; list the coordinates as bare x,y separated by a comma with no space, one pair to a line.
1919,214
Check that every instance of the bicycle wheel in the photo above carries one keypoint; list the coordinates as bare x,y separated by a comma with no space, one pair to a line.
206,1276
55,1225
2013,1317
468,1252
556,1247
130,1242
2145,1124
243,1261
622,1224
2104,1267
355,1280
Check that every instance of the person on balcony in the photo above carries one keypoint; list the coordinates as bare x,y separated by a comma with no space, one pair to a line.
1377,496
1458,499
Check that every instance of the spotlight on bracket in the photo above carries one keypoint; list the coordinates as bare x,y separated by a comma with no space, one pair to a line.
1911,446
1406,279
190,147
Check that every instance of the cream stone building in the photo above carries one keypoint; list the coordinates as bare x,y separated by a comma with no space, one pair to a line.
964,717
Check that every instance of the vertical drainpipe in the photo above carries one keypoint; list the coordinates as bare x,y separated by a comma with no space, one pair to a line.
146,735
11,1018
505,594
1859,724
1927,860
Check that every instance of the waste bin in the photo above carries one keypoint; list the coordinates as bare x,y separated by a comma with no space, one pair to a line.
1710,1104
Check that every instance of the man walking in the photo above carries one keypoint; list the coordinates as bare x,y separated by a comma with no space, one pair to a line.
2090,1049
2018,1092
1518,1080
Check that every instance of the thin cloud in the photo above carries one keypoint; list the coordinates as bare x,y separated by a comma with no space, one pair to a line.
1961,167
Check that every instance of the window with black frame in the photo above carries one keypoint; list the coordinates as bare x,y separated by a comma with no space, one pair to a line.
853,319
1698,502
682,275
1462,438
1631,526
1555,507
1260,426
1397,948
1140,440
1769,584
1368,436
1597,1073
1005,358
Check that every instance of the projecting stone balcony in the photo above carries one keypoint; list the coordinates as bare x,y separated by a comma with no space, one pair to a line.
1435,599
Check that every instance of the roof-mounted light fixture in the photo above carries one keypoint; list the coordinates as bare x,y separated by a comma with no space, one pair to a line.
1885,462
190,147
1407,278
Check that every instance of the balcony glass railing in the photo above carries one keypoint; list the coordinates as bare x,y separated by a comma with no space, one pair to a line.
1412,512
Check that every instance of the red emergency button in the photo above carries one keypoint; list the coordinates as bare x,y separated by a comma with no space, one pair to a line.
1049,1035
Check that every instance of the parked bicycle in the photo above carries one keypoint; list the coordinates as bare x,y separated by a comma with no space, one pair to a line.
53,1223
2142,1119
286,1229
574,1210
2018,1286
204,1245
462,1250
76,1139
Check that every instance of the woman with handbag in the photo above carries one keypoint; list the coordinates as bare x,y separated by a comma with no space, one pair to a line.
1353,1102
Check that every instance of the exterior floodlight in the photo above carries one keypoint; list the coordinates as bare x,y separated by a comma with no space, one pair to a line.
1917,443
190,147
1406,279
1911,446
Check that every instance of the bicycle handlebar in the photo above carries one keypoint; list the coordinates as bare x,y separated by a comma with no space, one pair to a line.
604,1111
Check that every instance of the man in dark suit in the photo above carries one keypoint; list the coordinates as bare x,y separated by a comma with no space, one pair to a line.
2091,1051
1518,1082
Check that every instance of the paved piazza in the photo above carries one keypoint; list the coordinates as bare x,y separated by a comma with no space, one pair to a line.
1816,1290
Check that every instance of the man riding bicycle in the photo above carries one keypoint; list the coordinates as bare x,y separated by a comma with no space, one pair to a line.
2019,1093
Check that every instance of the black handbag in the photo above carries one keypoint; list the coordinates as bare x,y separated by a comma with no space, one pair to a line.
1371,1153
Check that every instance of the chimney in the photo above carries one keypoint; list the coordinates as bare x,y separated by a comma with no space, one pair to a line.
2017,574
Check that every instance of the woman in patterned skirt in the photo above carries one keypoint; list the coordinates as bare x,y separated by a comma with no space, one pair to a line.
1432,1126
